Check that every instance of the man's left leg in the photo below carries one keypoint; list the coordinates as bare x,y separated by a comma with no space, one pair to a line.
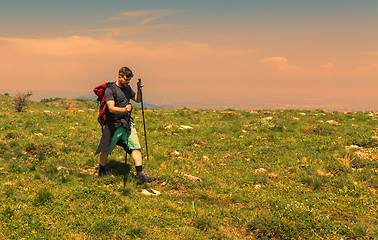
136,154
132,141
141,175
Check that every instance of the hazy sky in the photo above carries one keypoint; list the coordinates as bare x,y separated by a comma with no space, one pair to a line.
195,53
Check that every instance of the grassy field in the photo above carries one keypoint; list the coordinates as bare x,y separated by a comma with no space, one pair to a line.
265,175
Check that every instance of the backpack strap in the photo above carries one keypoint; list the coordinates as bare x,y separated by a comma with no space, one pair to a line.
111,86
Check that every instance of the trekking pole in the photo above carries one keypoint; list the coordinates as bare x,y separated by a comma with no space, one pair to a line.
125,172
144,124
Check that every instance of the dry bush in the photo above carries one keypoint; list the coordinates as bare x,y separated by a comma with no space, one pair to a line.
21,101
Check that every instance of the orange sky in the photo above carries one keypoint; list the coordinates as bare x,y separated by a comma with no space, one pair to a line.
199,65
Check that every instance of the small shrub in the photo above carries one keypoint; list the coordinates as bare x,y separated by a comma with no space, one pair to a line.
9,191
63,174
51,171
125,209
42,197
265,225
3,148
124,191
102,226
261,178
11,136
46,100
278,128
366,143
360,230
37,176
14,167
136,232
319,130
7,213
201,224
21,101
314,182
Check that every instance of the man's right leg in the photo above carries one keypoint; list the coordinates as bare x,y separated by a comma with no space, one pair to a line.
104,155
103,159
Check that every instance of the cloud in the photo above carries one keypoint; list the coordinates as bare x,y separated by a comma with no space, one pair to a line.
150,19
77,63
280,67
371,53
326,66
325,69
147,15
112,32
277,64
368,70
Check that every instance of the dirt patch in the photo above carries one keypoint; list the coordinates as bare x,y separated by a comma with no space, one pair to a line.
65,103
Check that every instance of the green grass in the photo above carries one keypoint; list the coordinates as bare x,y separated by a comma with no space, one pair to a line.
265,175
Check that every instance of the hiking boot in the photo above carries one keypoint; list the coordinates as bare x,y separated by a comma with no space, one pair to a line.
143,177
105,174
102,173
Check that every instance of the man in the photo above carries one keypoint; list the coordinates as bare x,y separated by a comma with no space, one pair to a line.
119,129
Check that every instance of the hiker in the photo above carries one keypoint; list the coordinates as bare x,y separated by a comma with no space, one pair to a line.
118,127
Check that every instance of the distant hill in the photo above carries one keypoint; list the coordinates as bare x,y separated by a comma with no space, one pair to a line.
145,105
152,106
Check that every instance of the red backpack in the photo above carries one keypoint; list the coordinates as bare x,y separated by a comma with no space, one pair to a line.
100,92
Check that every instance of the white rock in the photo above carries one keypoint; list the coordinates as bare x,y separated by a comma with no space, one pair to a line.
260,170
353,146
333,122
175,153
150,192
190,177
185,127
267,118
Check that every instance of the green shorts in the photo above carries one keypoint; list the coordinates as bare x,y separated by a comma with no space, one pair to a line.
131,139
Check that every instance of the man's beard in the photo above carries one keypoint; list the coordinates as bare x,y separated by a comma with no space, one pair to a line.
123,85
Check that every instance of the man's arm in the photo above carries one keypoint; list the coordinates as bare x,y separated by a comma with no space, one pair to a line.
117,110
138,96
